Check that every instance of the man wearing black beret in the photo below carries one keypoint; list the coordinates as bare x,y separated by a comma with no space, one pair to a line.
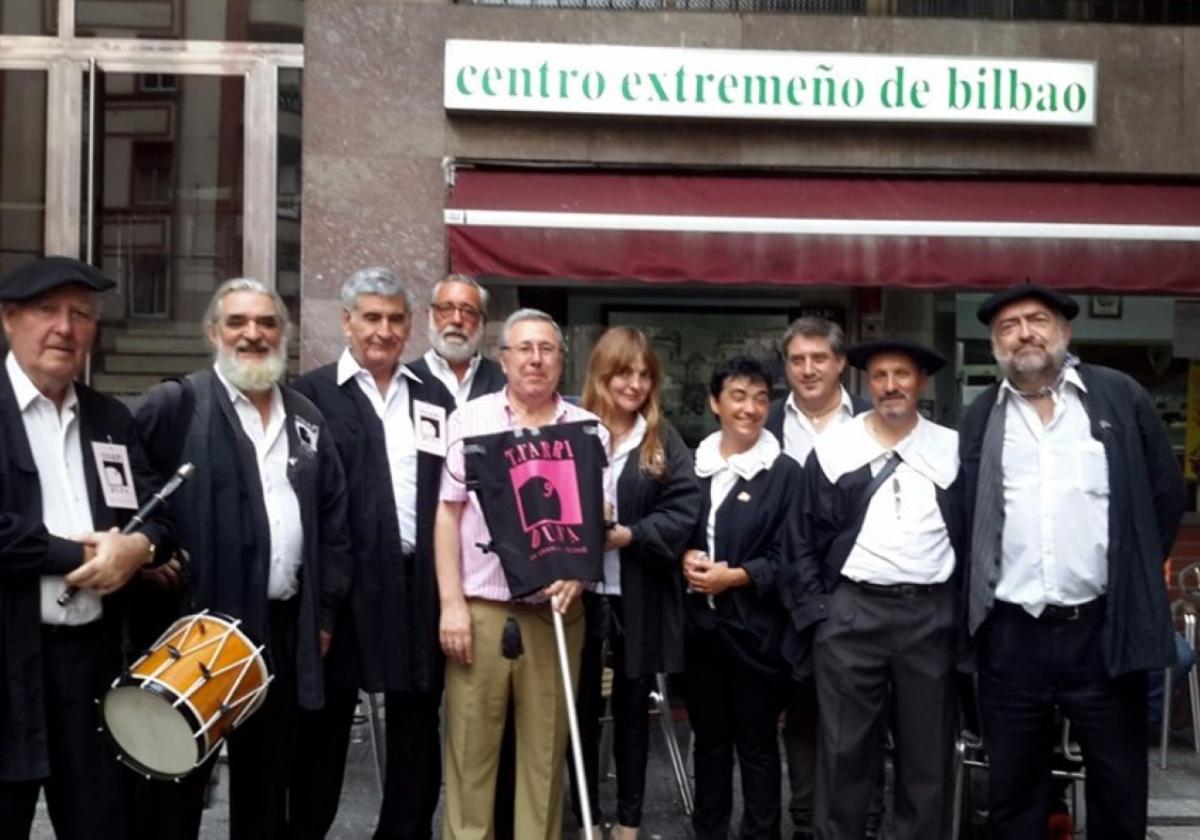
1072,497
67,457
874,563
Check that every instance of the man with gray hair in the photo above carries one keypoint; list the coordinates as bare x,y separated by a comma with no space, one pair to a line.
457,314
264,521
390,428
498,647
1072,498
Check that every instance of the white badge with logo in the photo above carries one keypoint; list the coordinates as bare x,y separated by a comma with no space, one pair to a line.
430,427
116,476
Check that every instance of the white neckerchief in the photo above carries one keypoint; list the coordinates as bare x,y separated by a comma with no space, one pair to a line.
745,465
930,449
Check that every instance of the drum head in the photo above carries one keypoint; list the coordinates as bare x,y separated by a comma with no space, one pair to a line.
149,733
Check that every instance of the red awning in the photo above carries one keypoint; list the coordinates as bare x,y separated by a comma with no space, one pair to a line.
929,233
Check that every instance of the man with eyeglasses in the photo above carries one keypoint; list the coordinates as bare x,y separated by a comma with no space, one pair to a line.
874,554
457,315
67,455
497,648
264,521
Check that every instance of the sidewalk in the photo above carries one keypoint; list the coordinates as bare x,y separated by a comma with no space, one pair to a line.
1174,796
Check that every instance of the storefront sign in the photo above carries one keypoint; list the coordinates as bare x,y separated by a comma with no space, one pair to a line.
772,85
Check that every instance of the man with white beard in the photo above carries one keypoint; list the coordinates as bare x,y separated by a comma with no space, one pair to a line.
264,521
457,314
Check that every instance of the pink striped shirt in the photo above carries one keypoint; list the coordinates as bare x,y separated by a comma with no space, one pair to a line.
482,574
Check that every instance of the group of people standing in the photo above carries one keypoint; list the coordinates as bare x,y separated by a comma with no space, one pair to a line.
840,561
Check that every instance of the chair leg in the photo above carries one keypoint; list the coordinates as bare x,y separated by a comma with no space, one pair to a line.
678,767
1189,628
1168,688
378,745
960,769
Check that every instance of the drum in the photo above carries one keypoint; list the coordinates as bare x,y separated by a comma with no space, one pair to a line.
170,711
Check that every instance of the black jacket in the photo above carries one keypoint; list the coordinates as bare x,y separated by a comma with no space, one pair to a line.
388,626
775,414
749,527
222,517
28,551
661,516
1146,502
489,378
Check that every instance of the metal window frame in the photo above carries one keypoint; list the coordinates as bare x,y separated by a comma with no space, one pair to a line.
66,58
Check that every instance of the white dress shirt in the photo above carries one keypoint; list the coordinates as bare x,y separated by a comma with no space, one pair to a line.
725,473
440,368
800,433
1054,546
66,511
904,538
279,497
394,412
620,457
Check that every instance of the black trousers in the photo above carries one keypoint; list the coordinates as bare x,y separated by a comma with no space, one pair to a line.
880,649
322,744
732,706
800,736
261,755
1027,667
630,713
84,792
413,780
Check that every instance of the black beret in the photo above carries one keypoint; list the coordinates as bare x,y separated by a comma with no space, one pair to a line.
40,276
1064,305
927,360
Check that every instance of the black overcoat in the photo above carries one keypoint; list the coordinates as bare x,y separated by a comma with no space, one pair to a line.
222,517
749,528
489,377
392,609
28,551
661,515
1146,502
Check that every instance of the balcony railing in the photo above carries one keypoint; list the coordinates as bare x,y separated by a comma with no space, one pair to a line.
1086,11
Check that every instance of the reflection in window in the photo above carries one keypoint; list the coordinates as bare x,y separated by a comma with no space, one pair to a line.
279,21
166,218
28,17
287,232
22,166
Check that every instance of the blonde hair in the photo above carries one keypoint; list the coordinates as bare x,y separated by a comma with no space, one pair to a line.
615,353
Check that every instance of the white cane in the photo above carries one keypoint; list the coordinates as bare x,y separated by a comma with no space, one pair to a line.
585,806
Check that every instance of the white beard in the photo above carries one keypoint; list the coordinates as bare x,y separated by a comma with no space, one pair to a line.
252,376
452,350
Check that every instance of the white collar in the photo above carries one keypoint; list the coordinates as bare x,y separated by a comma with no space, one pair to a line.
846,404
746,465
632,440
930,449
1070,377
26,392
348,367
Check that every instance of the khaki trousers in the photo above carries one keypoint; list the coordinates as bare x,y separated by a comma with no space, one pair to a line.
476,703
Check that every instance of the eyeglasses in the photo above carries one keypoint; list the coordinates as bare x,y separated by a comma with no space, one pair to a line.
526,351
465,311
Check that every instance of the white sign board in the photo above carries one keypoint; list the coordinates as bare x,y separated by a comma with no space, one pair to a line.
665,82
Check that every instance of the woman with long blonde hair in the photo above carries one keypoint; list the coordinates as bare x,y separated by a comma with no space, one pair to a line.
639,607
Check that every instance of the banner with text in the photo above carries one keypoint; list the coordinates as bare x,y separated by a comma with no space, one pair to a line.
743,84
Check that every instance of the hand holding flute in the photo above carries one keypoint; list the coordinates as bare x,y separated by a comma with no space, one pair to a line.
112,557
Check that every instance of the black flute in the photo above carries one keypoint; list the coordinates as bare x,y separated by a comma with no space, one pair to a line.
139,519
